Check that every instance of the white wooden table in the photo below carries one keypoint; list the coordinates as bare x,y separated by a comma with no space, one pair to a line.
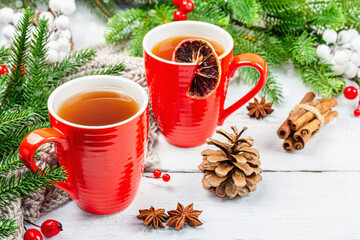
311,194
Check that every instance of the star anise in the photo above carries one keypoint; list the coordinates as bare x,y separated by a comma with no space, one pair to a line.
261,109
154,217
181,215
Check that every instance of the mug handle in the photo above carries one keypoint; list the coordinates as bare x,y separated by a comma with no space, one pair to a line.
250,60
33,141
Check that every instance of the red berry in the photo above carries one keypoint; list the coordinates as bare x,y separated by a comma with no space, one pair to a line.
179,15
187,6
351,92
3,69
166,177
157,173
51,228
357,112
359,102
177,2
33,234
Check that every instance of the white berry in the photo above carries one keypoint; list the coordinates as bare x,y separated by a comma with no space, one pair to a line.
350,70
16,18
55,5
62,22
344,37
329,36
65,34
6,15
68,7
8,32
62,55
48,16
341,57
53,56
355,43
339,69
355,58
64,44
323,51
54,45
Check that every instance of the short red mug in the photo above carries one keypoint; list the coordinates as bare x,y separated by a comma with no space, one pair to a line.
184,121
104,163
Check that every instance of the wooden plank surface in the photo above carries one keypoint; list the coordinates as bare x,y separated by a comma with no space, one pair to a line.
286,206
311,194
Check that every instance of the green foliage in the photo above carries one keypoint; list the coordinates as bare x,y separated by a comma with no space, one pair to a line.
24,184
302,48
320,79
10,162
245,11
8,227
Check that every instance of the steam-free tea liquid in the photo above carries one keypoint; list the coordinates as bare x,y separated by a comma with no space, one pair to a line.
165,48
97,108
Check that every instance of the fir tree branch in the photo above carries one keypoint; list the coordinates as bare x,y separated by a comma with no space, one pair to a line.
320,79
36,77
120,27
328,15
8,227
18,60
303,48
13,138
27,183
16,118
4,54
246,11
10,162
272,89
107,70
69,65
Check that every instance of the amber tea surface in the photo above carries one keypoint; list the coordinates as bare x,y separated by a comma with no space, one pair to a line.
165,48
97,108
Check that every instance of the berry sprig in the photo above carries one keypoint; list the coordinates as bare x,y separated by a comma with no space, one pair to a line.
185,6
351,93
49,228
157,174
3,69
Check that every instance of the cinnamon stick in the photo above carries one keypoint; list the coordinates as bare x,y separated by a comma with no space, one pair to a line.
312,127
284,130
308,116
288,144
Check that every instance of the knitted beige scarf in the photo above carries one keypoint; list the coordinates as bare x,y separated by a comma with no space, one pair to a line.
33,207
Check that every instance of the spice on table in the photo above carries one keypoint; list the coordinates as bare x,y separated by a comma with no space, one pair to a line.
233,170
155,217
259,109
182,215
305,120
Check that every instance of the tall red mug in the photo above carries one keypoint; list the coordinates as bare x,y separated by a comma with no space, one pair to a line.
185,121
104,163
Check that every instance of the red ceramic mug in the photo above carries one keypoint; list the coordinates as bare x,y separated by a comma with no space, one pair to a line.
104,163
185,121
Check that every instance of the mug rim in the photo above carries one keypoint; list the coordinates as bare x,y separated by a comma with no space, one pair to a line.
161,27
124,82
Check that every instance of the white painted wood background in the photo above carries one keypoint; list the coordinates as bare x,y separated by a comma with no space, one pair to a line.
312,194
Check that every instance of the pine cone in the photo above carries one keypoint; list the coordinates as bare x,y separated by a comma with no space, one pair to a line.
233,170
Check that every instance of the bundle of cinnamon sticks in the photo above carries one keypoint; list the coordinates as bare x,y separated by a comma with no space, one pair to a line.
302,124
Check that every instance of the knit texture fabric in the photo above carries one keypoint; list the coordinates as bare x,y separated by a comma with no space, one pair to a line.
33,207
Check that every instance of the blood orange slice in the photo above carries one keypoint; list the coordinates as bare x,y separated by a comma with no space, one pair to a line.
207,74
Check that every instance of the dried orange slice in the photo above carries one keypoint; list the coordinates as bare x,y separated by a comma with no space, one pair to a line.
208,72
